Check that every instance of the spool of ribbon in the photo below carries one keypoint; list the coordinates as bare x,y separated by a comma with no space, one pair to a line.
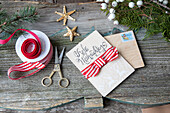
93,69
34,49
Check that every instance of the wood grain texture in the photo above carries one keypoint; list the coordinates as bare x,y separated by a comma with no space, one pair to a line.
59,1
93,103
76,107
127,48
148,85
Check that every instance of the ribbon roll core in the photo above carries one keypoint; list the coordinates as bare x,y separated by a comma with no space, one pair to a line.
26,53
27,50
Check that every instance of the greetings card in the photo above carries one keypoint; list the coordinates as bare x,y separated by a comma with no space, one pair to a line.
100,63
127,47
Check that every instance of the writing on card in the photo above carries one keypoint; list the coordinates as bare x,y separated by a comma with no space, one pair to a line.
85,55
88,50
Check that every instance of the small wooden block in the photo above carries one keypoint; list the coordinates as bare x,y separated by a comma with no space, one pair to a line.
91,103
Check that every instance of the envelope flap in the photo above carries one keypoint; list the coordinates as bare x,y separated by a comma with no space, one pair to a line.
127,46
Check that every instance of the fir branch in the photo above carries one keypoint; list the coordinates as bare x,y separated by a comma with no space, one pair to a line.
2,24
166,7
9,24
153,6
128,10
145,16
151,16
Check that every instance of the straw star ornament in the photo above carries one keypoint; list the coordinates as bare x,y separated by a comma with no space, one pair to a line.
71,33
65,15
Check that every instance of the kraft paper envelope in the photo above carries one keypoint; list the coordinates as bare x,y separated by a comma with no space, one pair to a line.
110,75
127,47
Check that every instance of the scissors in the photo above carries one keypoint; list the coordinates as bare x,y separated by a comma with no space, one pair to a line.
56,69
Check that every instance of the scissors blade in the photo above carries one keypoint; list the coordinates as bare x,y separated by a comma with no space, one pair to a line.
61,55
56,56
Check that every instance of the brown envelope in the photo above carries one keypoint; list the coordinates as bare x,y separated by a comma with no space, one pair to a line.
127,47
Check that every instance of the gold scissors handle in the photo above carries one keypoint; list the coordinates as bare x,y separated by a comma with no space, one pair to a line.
49,78
62,79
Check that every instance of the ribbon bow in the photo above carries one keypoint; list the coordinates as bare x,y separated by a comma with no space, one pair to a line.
93,69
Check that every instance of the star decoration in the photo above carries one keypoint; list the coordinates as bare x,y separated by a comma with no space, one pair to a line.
65,15
71,33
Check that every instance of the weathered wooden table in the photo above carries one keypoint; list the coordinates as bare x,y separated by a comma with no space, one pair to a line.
148,85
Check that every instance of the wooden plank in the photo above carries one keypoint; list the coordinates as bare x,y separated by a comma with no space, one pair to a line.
59,1
148,85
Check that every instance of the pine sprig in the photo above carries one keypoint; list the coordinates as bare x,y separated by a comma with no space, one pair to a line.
151,15
9,23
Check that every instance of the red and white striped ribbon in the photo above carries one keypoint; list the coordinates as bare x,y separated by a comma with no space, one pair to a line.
27,66
93,69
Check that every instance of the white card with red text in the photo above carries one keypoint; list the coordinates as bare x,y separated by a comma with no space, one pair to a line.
111,74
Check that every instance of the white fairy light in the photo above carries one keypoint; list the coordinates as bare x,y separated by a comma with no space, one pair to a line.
107,1
139,3
160,0
165,2
131,4
111,16
114,3
117,0
103,6
112,10
116,22
121,0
